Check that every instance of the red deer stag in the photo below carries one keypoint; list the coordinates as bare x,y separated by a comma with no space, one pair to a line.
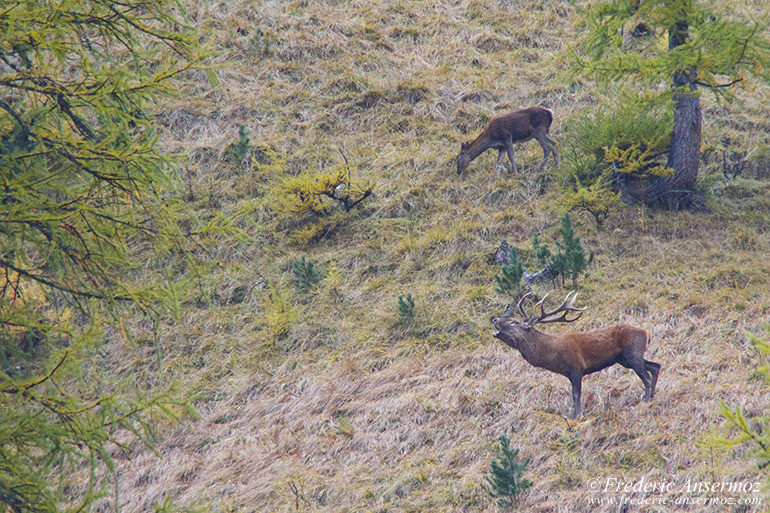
575,355
501,132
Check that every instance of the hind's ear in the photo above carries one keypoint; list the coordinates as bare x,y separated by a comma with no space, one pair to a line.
464,146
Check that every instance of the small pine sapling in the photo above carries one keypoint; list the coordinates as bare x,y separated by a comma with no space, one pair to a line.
571,259
541,251
509,282
406,308
506,479
544,260
240,150
306,275
279,312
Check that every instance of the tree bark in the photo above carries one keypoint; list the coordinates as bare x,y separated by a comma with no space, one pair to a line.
676,190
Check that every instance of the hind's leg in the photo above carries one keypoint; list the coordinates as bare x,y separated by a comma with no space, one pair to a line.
553,149
547,147
500,157
509,150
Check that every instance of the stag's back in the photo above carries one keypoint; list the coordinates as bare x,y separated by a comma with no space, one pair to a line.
597,349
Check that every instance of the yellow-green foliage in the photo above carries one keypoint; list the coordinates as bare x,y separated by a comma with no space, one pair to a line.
279,312
305,194
635,160
85,200
626,137
597,199
754,430
315,194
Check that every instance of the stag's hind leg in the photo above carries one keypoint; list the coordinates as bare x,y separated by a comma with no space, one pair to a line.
654,369
639,366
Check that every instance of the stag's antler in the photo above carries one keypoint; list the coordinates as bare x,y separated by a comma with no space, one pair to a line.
564,309
520,307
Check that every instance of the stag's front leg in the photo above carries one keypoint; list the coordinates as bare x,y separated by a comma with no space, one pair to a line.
577,384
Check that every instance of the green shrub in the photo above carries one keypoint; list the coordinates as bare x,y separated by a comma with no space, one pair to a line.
505,479
640,126
616,147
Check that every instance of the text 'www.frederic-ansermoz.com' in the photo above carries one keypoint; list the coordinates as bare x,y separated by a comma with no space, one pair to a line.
611,491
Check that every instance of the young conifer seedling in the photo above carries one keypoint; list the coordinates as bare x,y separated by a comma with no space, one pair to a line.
506,479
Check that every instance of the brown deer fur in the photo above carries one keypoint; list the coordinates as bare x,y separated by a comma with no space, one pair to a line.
501,132
575,355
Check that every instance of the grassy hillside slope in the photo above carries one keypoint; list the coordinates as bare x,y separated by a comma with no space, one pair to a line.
323,399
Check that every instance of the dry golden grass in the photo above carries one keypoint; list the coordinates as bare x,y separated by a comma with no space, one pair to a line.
352,410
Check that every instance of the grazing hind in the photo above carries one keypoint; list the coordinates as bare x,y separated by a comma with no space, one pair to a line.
501,132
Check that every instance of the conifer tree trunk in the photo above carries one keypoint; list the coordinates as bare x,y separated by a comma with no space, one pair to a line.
675,191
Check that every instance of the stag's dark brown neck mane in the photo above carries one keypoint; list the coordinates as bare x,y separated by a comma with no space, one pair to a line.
535,347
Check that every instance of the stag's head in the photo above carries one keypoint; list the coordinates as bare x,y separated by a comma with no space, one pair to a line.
511,330
463,159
